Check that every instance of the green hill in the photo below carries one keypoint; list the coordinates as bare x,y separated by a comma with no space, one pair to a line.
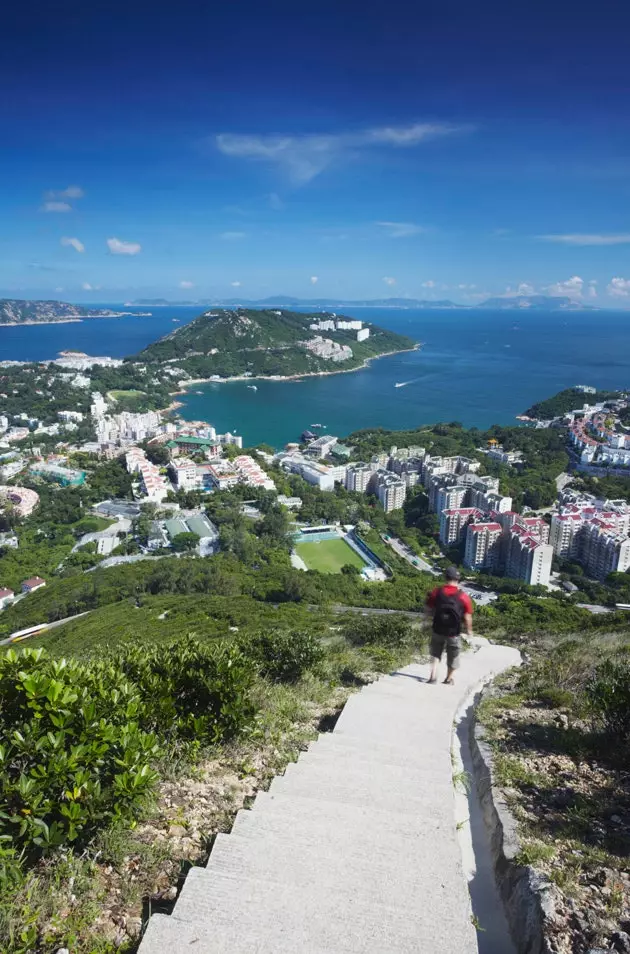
265,342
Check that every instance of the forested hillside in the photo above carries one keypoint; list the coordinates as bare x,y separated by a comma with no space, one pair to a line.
266,342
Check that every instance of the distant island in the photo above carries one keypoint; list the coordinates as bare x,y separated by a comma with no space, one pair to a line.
18,311
244,342
536,302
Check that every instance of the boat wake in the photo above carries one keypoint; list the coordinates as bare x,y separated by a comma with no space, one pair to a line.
403,384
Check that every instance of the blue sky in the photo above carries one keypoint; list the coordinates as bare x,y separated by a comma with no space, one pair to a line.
428,149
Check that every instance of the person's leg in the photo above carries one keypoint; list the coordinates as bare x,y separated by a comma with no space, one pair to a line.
453,648
436,650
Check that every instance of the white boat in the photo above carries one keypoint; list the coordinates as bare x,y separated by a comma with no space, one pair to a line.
198,392
402,384
175,319
252,387
318,425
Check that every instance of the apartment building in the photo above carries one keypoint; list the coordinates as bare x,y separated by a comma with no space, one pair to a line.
483,543
390,490
604,549
358,477
527,558
453,523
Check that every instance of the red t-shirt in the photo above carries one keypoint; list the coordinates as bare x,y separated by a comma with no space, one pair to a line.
449,590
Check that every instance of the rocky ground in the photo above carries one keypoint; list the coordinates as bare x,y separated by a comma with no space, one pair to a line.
571,799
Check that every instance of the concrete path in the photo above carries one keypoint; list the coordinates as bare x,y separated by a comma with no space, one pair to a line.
354,850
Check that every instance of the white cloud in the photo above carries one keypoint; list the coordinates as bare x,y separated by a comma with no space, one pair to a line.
304,157
59,289
185,284
389,281
621,238
233,236
591,291
87,287
72,192
401,229
524,288
55,200
117,247
572,287
619,287
236,284
314,279
52,206
74,243
464,287
428,284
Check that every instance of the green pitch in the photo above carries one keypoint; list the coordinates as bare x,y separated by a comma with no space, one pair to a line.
328,556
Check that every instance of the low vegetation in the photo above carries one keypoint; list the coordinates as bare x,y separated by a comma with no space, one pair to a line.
560,732
102,753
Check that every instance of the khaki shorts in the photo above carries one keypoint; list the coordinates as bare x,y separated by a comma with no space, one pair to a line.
452,644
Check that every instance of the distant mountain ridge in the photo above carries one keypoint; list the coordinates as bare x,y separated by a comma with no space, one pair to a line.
286,301
18,311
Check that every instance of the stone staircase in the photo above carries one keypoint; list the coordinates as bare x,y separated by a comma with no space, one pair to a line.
354,849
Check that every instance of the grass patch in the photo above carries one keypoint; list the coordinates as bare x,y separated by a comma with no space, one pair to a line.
131,395
328,556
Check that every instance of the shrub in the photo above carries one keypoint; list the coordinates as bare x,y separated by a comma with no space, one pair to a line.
609,696
78,739
191,689
72,754
284,654
389,631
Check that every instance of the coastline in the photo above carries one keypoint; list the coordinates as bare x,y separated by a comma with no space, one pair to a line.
73,319
185,385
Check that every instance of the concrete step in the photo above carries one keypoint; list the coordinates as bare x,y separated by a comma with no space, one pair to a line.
316,916
390,873
345,827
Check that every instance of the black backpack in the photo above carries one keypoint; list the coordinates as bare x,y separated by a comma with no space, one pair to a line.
448,614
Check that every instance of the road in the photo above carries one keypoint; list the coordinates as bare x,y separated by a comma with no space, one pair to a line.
46,627
402,550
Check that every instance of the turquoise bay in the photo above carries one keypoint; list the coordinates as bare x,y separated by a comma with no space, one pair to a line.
475,366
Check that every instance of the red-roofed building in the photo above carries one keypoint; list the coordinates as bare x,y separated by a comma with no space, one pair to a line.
483,546
453,524
32,584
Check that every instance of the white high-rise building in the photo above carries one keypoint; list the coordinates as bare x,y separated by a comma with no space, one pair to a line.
453,524
483,541
358,477
390,490
527,558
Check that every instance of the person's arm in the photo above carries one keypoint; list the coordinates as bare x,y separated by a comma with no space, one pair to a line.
468,613
429,605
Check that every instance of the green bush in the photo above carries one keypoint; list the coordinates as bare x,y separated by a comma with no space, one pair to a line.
78,739
191,689
284,655
389,631
609,696
72,754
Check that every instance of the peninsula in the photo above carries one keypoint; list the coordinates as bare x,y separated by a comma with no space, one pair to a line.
244,342
21,311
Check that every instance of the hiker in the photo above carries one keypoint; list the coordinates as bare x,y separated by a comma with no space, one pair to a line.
448,607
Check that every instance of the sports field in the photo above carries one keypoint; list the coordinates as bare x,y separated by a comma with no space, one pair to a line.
328,556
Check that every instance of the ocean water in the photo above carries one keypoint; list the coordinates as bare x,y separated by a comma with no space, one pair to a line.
475,366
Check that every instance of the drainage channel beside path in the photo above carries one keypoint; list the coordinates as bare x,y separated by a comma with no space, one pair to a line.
356,848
